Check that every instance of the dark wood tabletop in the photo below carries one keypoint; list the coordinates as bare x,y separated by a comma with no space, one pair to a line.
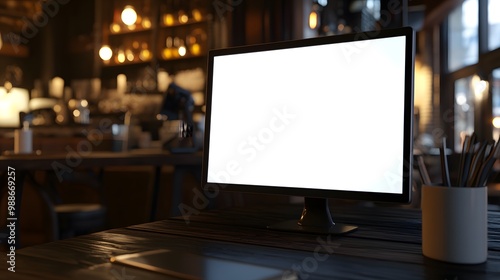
73,158
387,245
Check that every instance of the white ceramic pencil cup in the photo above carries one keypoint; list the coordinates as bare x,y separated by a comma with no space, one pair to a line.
455,224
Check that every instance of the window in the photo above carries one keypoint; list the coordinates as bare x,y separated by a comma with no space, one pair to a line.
463,41
464,110
495,90
493,24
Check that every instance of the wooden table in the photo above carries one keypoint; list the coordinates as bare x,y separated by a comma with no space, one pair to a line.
494,193
387,245
97,159
67,162
64,163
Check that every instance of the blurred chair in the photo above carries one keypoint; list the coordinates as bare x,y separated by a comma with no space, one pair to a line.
70,218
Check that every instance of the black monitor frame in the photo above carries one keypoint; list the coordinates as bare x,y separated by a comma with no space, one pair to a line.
404,197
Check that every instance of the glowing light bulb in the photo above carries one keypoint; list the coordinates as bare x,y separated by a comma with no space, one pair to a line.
461,100
129,54
145,55
168,19
197,15
183,18
129,16
182,51
195,49
313,20
115,28
121,56
105,53
496,122
146,23
167,53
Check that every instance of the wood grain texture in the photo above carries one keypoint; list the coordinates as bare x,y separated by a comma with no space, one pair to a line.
387,245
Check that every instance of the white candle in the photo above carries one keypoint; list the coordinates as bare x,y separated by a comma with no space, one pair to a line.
121,84
56,87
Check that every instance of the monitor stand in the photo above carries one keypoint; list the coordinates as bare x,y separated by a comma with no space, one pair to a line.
316,218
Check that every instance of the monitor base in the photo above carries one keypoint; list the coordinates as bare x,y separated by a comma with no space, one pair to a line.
315,218
293,226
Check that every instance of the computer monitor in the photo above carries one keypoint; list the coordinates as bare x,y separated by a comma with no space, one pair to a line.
327,117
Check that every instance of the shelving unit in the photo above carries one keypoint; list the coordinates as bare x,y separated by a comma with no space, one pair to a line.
169,35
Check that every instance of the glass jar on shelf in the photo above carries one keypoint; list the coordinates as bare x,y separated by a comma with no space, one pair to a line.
167,52
182,17
145,54
196,40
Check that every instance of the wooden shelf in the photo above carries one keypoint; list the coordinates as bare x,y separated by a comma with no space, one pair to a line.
114,64
189,22
128,31
186,57
196,29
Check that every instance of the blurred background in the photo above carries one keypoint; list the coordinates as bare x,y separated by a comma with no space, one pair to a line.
68,67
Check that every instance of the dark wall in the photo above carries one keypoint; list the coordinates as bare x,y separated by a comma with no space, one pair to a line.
261,21
7,63
60,43
79,39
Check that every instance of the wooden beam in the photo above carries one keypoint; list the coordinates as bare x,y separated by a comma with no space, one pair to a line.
437,14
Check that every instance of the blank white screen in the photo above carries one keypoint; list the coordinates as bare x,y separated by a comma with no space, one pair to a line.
321,117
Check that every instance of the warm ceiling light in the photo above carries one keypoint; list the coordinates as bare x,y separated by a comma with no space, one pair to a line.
313,20
105,52
129,16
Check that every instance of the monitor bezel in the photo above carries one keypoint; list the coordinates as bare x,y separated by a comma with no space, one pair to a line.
404,197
